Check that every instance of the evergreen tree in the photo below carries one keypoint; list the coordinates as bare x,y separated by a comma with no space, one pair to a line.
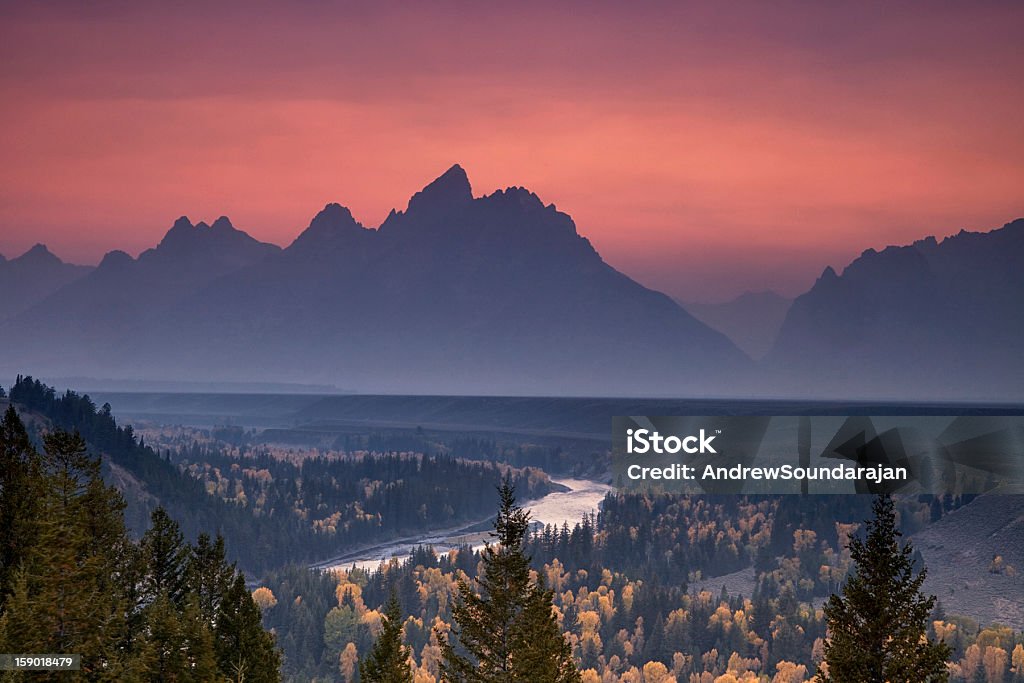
68,596
209,576
71,580
877,629
177,645
166,555
245,652
19,498
542,652
388,661
507,630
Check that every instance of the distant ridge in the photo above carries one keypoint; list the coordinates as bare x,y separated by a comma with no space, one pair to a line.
94,320
31,277
752,320
501,295
932,319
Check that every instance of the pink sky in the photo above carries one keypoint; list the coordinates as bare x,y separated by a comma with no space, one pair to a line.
703,151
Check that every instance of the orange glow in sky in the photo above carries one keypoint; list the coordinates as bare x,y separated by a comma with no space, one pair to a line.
703,151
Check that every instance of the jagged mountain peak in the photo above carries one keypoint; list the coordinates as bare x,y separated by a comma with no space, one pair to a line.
518,195
334,215
183,228
179,233
928,242
1011,232
222,224
184,239
38,255
332,225
449,190
447,203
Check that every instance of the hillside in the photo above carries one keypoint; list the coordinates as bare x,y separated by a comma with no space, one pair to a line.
959,550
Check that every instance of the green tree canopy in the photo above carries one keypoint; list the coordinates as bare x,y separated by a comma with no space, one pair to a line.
72,581
66,596
19,498
167,557
388,661
877,628
507,631
244,650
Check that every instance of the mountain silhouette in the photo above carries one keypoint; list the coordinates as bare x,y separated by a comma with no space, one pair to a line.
455,294
31,277
929,320
214,249
500,294
93,321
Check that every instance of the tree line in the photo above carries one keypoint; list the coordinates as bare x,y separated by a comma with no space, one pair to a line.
276,511
73,582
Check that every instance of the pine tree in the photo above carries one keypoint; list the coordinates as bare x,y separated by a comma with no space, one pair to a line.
166,555
68,596
20,628
388,661
547,655
245,652
177,646
71,580
507,630
19,498
208,575
877,629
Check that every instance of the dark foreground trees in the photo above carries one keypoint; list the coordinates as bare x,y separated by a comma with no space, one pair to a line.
506,631
388,661
71,580
64,593
877,629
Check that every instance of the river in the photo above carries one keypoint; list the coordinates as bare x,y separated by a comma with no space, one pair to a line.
560,507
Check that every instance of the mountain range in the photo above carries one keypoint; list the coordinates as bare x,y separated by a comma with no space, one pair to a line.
456,294
33,276
934,319
501,295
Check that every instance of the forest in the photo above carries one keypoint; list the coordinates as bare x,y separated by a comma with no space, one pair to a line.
277,511
145,579
625,617
72,581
